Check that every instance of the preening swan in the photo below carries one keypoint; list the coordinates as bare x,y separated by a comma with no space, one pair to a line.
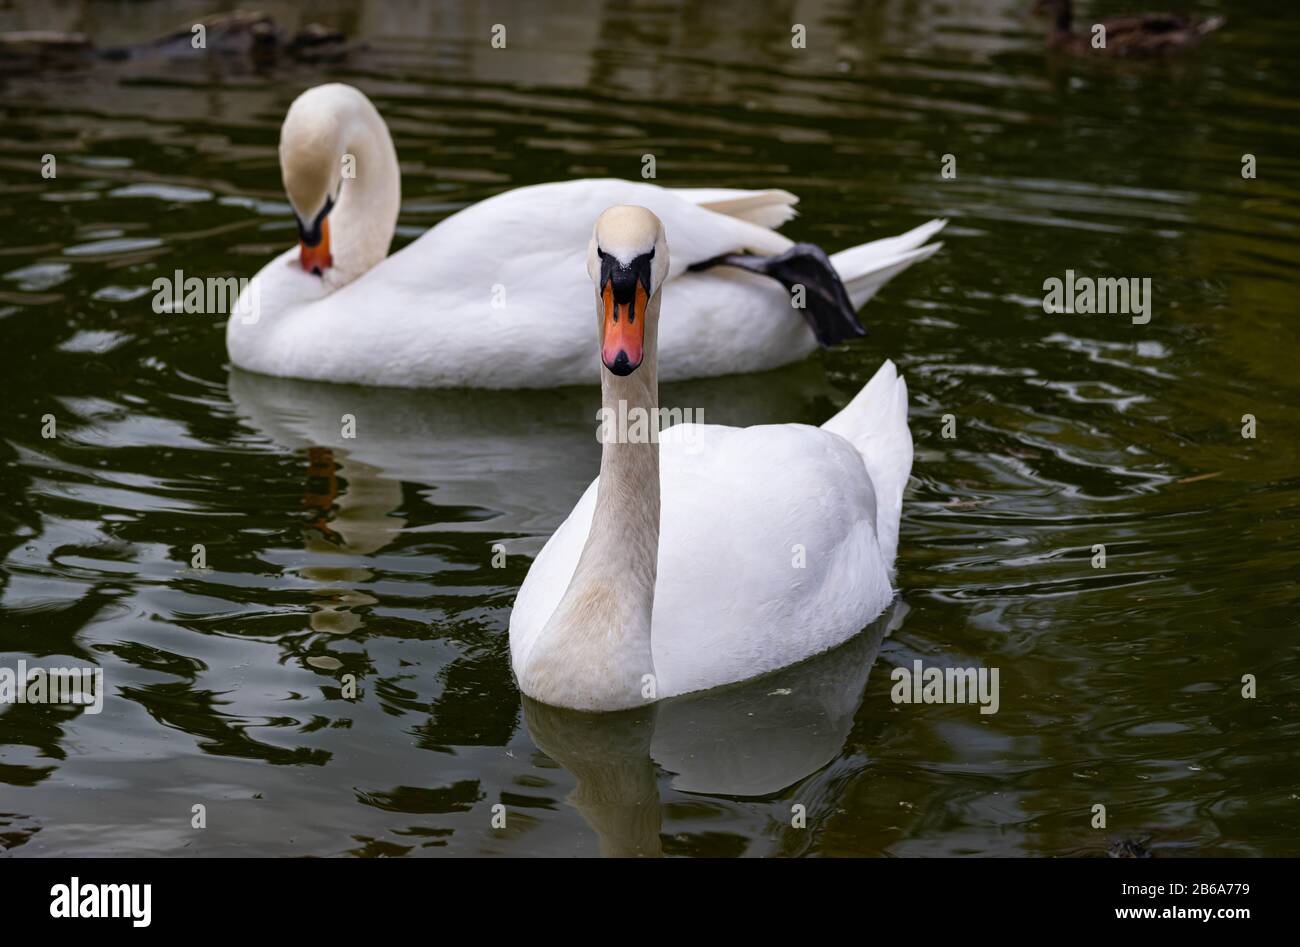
718,553
486,298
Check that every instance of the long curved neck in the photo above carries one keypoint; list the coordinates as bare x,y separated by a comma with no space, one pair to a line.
363,221
594,653
624,537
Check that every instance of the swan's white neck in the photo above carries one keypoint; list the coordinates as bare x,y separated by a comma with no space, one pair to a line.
334,145
363,221
594,653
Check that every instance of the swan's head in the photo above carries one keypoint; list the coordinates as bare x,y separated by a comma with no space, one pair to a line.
312,149
628,262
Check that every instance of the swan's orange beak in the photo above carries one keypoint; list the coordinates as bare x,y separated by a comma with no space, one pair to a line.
625,291
315,256
623,346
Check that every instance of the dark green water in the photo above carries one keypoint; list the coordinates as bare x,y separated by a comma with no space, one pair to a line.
373,557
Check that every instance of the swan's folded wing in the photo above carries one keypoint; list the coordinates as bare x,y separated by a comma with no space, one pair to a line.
767,554
541,232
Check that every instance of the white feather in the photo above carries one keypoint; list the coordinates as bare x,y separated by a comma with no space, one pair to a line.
497,295
738,505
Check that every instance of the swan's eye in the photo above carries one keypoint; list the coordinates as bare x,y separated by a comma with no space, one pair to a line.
601,253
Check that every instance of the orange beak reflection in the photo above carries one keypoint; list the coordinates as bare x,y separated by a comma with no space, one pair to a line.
623,344
316,259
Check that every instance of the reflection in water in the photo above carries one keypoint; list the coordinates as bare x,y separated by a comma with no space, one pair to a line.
754,738
353,519
518,459
610,758
353,507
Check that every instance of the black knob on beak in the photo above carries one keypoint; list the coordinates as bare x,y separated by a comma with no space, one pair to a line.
623,277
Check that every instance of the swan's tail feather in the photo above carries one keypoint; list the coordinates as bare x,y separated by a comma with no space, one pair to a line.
875,422
768,209
804,269
832,288
866,268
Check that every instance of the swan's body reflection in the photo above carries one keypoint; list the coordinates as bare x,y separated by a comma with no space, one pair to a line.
524,457
755,738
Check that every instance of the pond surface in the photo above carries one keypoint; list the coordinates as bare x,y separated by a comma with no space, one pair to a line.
325,557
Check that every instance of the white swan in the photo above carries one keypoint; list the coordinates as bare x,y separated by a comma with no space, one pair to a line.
719,553
488,297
